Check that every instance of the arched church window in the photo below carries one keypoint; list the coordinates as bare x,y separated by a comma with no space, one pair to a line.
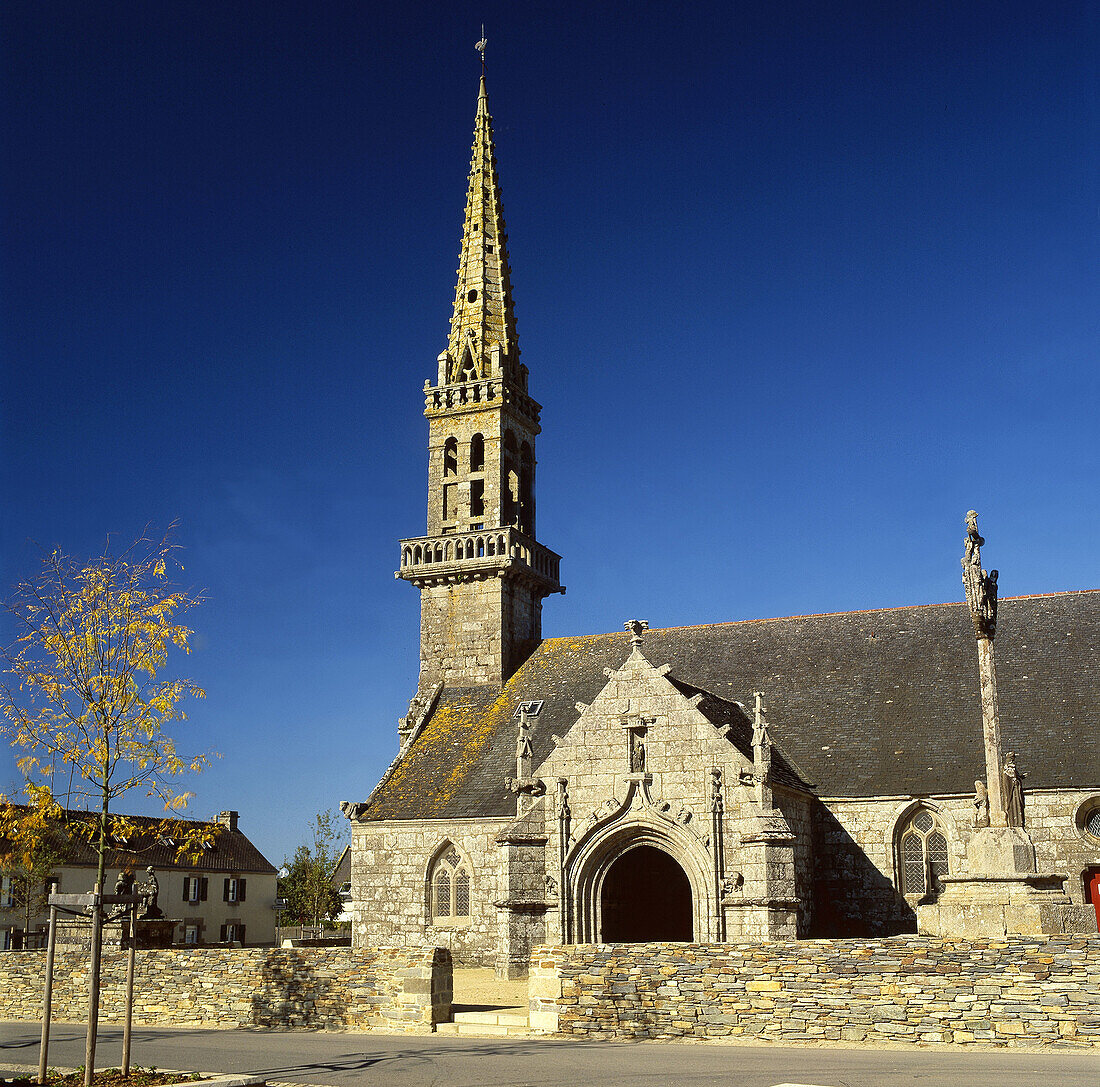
450,457
922,853
450,888
477,453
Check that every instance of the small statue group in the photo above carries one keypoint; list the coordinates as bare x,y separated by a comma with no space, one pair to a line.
149,890
980,585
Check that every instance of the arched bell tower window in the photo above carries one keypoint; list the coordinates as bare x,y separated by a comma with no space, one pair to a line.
477,453
449,888
921,853
511,479
450,457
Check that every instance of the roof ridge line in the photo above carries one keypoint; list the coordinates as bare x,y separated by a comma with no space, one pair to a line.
820,615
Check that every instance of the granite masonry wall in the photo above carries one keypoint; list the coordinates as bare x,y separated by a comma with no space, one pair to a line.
334,988
1015,991
390,868
855,889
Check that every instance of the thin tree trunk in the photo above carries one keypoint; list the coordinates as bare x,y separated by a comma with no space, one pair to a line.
97,941
93,987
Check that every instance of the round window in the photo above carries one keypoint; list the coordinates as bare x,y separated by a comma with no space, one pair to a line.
1088,819
472,296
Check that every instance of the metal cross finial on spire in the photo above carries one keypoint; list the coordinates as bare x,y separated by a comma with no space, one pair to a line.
480,47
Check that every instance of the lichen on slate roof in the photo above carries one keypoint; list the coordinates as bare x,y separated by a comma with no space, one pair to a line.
869,703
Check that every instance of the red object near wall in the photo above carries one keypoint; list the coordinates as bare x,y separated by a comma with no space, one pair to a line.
1092,891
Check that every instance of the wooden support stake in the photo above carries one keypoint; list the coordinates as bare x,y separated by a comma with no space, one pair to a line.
129,993
47,997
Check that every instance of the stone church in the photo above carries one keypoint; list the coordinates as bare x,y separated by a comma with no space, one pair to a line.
772,778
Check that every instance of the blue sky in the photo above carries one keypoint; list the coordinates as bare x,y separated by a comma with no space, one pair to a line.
797,284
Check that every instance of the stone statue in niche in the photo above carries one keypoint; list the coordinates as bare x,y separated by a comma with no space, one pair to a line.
981,804
716,790
1013,791
637,755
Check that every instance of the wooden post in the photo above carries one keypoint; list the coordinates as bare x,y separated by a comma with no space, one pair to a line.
47,997
129,992
93,985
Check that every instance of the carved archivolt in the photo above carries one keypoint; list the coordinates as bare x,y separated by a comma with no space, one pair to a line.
615,828
639,797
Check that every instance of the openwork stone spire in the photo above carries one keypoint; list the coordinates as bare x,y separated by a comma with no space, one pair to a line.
483,312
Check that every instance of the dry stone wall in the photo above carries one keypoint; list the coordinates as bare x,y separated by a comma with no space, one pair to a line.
1015,991
335,988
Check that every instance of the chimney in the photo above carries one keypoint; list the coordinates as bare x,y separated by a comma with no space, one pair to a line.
228,819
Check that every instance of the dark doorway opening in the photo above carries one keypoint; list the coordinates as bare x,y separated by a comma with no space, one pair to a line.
646,896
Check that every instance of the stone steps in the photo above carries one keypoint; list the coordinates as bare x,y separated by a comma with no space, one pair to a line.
498,1023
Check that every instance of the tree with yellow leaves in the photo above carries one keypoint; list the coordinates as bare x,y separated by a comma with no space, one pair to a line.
32,847
88,711
86,708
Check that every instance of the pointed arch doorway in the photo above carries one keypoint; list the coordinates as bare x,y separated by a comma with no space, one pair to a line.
645,897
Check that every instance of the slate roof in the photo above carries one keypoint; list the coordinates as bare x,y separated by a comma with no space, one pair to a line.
231,851
867,703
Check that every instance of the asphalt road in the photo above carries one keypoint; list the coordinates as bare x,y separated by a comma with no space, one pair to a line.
418,1061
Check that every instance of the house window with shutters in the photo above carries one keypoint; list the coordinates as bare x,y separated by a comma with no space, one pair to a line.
449,889
233,931
922,853
233,890
195,888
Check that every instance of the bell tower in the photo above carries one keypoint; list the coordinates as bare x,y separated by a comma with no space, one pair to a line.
481,573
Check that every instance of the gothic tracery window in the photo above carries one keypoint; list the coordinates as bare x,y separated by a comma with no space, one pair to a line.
450,888
922,853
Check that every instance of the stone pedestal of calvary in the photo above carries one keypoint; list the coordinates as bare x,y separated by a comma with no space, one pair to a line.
1002,891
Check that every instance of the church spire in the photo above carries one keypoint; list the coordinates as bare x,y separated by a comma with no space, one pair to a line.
481,571
482,342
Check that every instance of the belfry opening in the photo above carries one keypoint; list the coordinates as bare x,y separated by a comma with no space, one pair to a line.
646,896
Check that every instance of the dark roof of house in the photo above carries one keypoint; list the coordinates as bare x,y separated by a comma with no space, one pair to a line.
341,873
867,703
154,844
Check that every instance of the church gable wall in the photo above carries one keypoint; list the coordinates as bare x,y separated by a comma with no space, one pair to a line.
391,896
680,748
